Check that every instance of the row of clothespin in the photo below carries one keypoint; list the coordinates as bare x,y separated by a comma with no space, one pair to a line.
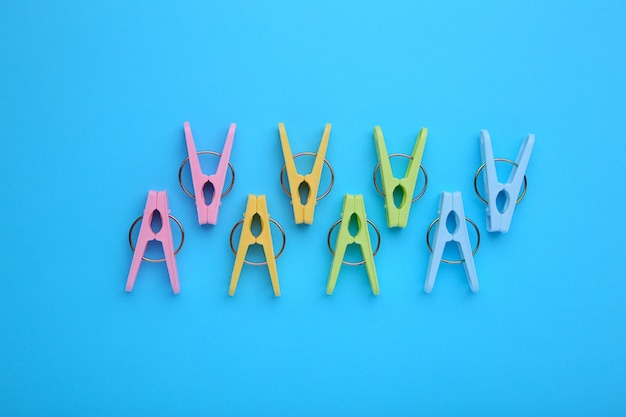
450,225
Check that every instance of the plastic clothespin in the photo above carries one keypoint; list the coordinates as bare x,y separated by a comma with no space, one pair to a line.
399,216
156,205
256,205
207,213
500,221
353,205
451,204
304,213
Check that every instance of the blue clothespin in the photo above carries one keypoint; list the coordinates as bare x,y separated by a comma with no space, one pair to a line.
451,204
499,218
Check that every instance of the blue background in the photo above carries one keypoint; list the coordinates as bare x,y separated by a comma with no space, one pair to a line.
93,96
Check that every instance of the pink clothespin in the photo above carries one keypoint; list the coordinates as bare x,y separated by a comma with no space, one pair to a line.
207,212
156,205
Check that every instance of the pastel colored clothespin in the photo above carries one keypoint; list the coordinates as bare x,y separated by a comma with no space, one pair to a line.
156,205
399,216
303,213
451,205
353,205
499,220
257,205
208,211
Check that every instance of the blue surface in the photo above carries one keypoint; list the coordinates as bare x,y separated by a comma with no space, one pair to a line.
92,102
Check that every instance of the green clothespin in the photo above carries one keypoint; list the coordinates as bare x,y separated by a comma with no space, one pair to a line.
399,216
353,205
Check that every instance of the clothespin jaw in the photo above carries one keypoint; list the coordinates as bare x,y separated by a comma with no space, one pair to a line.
451,204
256,205
499,220
208,211
303,213
156,205
398,216
353,205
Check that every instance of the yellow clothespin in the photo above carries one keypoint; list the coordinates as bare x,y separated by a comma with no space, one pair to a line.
303,213
398,216
353,205
257,205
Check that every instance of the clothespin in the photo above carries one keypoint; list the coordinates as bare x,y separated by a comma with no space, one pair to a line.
207,211
156,205
304,213
257,205
499,218
353,205
399,216
451,205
